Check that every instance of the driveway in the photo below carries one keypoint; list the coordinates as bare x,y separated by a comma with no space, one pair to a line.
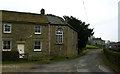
91,62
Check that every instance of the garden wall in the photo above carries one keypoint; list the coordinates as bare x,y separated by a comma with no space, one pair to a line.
113,55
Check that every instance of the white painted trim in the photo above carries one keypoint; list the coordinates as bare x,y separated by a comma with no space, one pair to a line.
6,49
37,33
7,31
37,49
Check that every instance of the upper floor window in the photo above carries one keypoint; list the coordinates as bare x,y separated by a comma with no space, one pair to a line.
6,45
37,29
59,36
7,28
37,46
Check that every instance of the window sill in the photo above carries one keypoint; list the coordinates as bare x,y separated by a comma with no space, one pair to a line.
6,32
37,49
59,43
37,33
6,49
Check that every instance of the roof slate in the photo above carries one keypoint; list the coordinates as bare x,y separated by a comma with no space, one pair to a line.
55,20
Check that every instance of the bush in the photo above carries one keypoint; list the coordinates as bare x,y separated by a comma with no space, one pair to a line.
112,55
10,56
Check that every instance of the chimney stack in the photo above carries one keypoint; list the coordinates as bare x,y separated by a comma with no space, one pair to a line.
42,11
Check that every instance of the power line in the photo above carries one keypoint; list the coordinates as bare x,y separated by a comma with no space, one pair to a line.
85,11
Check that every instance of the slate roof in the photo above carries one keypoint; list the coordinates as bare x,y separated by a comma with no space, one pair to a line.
55,20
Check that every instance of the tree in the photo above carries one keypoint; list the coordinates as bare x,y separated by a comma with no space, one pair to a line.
82,29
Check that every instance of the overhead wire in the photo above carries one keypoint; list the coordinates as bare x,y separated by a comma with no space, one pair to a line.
85,11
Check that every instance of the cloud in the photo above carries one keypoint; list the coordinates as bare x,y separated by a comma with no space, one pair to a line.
101,13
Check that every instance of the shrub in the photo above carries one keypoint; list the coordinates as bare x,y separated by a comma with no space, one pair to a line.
10,55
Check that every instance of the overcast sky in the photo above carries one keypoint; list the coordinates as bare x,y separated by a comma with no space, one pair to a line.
101,14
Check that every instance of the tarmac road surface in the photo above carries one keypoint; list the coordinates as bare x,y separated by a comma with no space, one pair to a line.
91,62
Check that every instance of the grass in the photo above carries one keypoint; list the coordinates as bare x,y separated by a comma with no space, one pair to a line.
26,61
15,62
109,63
91,47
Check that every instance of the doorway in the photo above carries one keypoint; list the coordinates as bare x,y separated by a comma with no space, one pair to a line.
21,50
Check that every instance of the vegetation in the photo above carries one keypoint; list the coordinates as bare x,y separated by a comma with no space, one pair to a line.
115,49
113,58
10,56
91,47
110,64
43,60
47,60
82,29
83,52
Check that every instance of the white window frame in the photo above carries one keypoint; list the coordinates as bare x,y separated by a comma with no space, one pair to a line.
59,35
37,27
6,49
4,28
39,45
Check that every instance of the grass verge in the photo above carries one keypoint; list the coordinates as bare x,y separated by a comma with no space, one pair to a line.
109,63
26,61
91,47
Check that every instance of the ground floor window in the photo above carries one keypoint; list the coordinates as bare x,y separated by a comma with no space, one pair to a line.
37,46
6,45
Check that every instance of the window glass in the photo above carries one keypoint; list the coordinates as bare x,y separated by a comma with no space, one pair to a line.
59,36
6,45
37,29
37,45
7,28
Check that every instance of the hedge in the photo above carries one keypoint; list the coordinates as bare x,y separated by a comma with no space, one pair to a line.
10,56
115,49
112,55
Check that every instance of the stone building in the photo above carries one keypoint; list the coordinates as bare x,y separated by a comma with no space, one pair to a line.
98,42
37,35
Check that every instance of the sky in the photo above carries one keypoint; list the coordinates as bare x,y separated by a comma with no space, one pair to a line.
102,15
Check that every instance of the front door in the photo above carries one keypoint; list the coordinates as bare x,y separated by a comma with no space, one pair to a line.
21,50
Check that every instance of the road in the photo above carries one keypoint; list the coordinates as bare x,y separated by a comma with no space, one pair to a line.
91,62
